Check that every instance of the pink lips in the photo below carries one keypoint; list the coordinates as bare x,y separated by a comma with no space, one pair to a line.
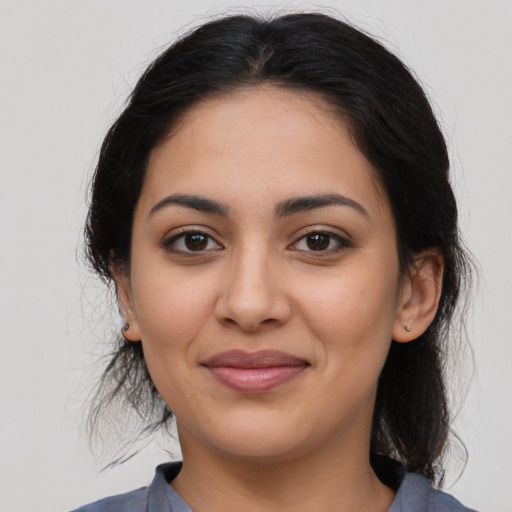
255,372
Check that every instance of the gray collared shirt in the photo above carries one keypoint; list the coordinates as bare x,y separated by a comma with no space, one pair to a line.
414,494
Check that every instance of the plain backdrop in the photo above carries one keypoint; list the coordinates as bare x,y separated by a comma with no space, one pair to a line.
66,68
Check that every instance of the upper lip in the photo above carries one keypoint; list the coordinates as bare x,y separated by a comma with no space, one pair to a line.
260,359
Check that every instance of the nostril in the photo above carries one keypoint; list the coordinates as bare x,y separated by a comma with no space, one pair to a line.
251,325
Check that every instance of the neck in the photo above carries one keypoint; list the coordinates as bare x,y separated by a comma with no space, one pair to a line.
336,478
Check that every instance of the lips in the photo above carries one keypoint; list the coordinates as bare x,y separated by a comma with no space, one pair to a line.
255,372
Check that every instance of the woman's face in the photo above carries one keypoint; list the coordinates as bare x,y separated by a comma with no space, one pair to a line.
264,278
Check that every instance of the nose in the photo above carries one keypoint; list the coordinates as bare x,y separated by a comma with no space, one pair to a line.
252,295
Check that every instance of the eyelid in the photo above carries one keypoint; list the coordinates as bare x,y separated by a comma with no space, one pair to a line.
344,241
175,235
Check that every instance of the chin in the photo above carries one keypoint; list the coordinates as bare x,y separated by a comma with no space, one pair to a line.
261,440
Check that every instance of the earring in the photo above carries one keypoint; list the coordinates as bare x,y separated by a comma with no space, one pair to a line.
126,326
407,328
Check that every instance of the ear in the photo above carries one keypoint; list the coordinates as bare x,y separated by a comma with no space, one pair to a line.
419,296
121,275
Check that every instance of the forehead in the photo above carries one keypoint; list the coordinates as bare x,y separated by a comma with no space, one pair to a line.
261,140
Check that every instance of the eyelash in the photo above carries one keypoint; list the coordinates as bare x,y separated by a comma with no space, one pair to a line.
341,243
171,243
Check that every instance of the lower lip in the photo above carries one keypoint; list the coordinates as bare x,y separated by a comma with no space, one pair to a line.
255,380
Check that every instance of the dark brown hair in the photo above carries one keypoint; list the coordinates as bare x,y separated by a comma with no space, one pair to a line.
393,125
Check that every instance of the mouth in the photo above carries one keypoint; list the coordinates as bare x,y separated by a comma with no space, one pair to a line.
255,372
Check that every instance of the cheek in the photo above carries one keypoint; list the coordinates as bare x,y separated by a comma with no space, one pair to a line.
171,310
170,318
350,303
351,316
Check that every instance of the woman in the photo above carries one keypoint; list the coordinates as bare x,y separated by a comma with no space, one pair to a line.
273,207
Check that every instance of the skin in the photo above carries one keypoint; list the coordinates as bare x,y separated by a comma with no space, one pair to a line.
253,283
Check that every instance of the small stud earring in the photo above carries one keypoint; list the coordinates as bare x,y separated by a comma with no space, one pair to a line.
126,326
407,328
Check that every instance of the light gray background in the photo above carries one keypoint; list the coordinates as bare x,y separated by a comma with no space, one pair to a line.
65,70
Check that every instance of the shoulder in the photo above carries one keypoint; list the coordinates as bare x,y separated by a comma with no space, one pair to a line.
158,496
416,495
133,501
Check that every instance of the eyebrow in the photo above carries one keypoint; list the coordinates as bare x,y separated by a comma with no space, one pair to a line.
283,209
199,203
305,203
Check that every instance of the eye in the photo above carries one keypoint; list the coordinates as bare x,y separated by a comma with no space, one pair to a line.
191,241
321,241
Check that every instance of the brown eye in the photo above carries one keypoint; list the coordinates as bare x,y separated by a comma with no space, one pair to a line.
196,241
321,242
191,241
318,241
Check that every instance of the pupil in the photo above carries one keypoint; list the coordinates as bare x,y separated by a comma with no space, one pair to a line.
196,242
318,242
